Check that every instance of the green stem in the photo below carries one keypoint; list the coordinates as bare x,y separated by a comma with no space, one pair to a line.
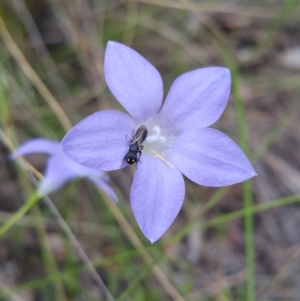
32,200
248,203
225,218
247,200
47,254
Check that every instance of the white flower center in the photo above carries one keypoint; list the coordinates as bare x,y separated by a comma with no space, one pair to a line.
156,135
157,141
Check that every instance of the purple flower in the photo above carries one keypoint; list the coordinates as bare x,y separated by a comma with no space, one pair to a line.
178,140
60,169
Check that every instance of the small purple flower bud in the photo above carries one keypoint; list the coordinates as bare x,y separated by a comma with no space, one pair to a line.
60,169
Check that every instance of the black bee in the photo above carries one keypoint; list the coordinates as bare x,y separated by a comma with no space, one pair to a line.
136,146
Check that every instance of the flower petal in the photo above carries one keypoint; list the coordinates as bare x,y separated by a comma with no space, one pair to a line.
157,195
57,173
134,82
196,99
79,170
209,158
38,145
99,178
100,141
61,169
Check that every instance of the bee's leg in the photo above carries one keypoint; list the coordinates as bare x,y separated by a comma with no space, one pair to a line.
140,153
130,140
139,158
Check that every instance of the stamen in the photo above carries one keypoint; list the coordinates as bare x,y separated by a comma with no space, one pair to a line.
156,130
161,158
162,139
156,135
151,138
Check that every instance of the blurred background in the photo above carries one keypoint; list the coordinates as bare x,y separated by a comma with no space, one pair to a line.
235,243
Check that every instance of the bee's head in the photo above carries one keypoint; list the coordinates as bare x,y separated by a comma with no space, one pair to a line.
131,158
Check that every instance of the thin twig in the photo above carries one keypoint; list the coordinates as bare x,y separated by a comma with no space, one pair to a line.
225,8
12,294
50,223
32,76
76,245
38,44
125,226
214,288
282,272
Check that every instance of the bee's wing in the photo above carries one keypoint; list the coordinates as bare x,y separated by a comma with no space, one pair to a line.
140,135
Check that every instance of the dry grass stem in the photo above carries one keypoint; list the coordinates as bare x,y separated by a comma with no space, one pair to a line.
125,226
33,77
